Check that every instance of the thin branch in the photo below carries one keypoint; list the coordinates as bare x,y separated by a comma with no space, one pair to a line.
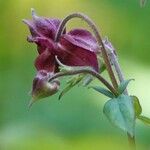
85,71
98,37
114,60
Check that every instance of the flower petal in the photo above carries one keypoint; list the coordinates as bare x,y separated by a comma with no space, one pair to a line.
44,44
82,38
41,26
32,28
46,61
73,55
47,27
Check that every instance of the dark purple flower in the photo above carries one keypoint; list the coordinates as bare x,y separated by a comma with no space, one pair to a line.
75,48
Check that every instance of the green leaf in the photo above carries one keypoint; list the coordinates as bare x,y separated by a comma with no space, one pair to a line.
138,111
144,119
87,80
64,91
70,84
137,106
102,68
120,112
103,91
123,85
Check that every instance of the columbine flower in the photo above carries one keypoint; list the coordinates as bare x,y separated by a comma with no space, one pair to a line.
75,48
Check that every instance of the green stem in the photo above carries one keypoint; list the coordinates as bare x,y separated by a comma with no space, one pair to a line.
98,37
104,54
114,59
85,71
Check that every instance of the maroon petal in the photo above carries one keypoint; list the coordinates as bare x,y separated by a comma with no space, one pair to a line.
82,38
32,28
44,44
45,26
41,26
73,55
46,61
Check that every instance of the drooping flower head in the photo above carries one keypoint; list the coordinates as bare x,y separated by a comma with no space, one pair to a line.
77,47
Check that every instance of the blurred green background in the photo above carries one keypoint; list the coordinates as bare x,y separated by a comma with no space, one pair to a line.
77,121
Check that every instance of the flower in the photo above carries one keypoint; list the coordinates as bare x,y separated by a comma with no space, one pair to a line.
78,47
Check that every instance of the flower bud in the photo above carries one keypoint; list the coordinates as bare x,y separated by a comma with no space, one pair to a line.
42,87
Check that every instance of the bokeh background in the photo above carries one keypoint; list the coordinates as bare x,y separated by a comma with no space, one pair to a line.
77,121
